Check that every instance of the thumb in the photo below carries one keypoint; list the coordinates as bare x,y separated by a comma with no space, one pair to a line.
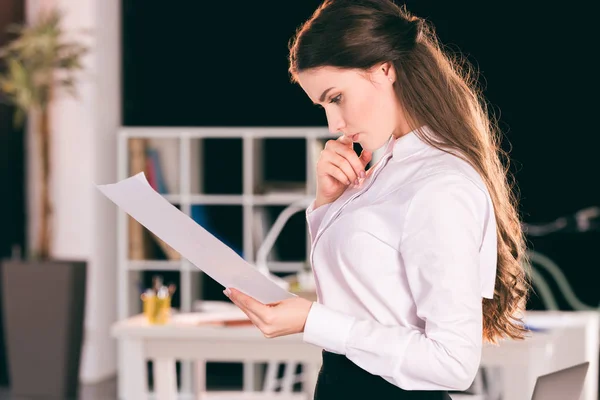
365,157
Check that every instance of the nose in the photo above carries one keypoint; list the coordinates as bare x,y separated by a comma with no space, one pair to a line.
335,121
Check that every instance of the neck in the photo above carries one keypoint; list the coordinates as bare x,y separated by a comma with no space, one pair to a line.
402,127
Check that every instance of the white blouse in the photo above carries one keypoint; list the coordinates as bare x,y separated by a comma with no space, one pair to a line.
401,265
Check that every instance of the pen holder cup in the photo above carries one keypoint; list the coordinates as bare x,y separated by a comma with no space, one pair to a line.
157,309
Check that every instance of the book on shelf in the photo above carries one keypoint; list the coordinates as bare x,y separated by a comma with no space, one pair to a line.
154,171
142,242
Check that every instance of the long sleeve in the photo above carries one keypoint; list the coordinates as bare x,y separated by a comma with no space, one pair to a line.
314,218
439,248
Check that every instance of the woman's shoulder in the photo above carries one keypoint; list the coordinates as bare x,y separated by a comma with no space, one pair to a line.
433,171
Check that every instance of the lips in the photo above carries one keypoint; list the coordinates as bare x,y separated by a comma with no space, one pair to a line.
355,137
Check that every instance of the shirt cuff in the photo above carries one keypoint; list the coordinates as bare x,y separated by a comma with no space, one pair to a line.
327,328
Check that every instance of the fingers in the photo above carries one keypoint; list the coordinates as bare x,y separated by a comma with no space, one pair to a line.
253,317
242,301
342,158
366,157
258,313
333,170
350,155
337,166
245,302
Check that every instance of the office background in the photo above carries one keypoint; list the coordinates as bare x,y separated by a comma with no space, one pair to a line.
213,63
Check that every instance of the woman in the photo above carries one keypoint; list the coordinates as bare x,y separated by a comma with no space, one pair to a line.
418,260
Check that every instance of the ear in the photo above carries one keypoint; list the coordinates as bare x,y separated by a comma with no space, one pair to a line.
388,71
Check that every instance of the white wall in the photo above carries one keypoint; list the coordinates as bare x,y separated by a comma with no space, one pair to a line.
84,153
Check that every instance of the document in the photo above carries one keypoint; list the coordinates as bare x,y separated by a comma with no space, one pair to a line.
137,198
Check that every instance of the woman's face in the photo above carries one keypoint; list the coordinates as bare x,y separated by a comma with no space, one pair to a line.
359,104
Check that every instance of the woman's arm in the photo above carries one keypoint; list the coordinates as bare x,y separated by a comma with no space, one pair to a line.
314,217
439,249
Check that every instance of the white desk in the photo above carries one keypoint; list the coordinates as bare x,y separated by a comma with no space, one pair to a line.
179,340
570,341
578,342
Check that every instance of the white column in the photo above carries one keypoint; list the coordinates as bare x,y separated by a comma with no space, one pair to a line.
84,153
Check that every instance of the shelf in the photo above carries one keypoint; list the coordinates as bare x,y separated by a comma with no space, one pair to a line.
279,198
199,199
173,198
286,267
221,177
225,132
264,199
232,181
166,265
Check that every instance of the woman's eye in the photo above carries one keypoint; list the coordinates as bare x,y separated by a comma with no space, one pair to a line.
336,99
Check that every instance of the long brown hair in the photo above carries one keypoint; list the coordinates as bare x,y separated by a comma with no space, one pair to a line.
438,89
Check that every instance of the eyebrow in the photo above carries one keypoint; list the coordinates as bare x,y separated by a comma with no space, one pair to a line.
325,93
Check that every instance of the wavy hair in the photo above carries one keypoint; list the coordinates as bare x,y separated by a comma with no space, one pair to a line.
437,88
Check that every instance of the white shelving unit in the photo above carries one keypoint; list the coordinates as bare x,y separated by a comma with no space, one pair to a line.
180,152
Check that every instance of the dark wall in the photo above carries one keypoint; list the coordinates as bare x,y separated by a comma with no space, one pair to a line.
225,63
12,203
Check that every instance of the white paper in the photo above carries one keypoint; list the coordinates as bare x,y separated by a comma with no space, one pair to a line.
137,198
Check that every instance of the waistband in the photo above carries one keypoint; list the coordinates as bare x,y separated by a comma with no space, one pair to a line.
341,377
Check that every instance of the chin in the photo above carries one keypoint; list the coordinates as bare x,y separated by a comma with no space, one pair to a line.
370,145
365,146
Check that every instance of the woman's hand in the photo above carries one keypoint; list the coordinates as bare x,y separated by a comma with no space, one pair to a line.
339,167
277,319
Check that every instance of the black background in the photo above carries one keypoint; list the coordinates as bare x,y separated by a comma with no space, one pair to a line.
225,64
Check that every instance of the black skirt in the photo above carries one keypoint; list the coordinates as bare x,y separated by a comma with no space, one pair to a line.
340,378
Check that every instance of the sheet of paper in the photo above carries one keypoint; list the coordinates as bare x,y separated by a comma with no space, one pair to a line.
137,198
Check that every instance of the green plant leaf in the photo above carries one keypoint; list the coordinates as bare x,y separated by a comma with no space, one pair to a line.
38,52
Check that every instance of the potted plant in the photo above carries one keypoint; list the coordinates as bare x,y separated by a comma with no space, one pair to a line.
43,297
